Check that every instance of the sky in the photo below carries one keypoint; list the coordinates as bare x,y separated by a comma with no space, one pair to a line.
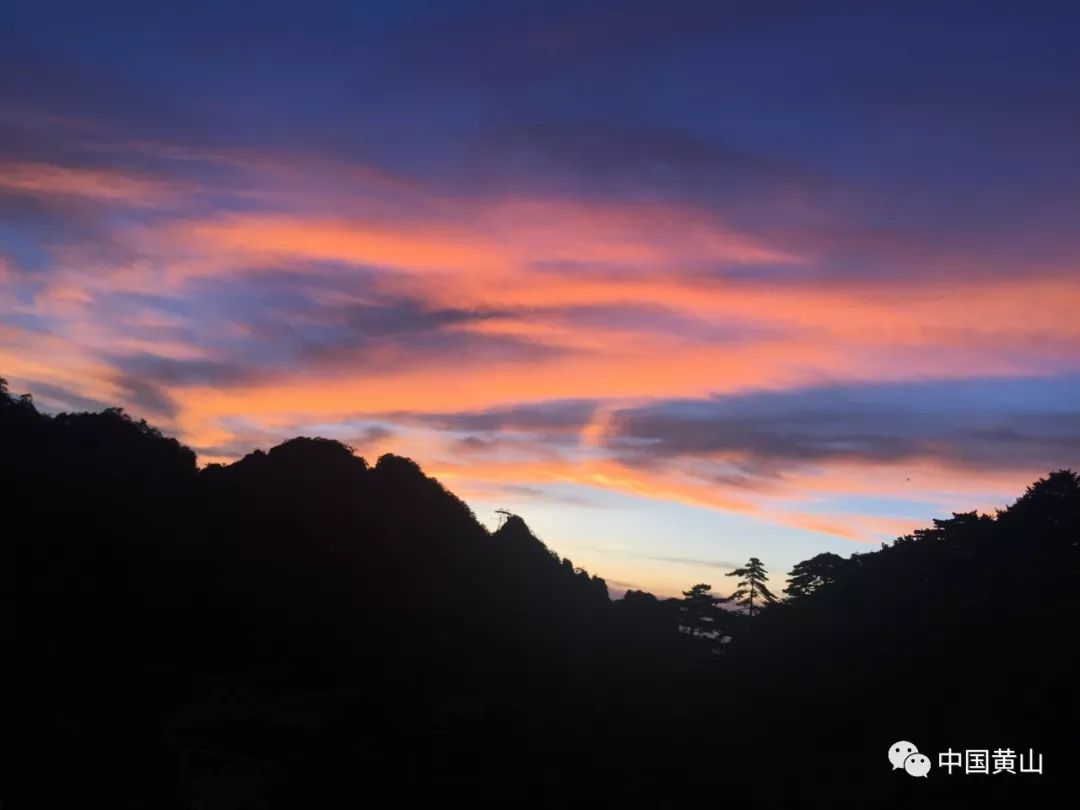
679,283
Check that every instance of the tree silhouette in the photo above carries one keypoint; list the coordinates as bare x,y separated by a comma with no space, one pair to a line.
810,575
751,586
698,610
277,612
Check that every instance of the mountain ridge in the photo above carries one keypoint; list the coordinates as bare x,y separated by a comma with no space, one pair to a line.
283,630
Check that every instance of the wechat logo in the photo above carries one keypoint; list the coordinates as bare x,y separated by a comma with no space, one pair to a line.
905,755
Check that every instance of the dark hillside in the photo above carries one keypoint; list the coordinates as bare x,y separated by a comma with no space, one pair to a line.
301,628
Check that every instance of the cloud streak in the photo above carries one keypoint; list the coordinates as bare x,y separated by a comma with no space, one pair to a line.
969,423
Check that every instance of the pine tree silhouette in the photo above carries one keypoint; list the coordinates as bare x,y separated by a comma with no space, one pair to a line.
810,575
751,587
697,612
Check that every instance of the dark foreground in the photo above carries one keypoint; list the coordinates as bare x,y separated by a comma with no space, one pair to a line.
301,630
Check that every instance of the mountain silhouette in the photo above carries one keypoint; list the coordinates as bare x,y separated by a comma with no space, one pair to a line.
302,629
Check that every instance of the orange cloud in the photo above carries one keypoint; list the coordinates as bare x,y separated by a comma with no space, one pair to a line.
528,263
481,240
103,185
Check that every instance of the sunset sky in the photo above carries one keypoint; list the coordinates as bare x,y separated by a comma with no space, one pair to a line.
678,282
